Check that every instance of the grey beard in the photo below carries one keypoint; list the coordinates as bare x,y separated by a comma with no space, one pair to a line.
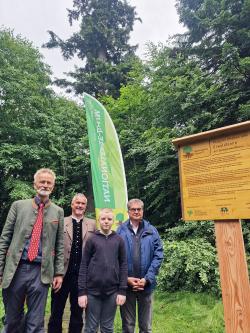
43,192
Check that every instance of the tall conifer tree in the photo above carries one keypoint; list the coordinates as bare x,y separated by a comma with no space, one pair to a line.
102,43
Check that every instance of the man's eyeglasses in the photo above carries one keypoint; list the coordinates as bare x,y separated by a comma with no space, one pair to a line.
135,209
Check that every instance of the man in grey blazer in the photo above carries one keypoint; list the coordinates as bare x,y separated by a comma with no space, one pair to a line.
31,255
77,229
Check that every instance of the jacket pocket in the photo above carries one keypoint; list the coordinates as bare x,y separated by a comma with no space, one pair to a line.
94,276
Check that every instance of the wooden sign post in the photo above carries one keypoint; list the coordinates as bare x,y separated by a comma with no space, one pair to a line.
215,185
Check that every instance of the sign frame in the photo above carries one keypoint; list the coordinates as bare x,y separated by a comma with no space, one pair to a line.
230,248
188,183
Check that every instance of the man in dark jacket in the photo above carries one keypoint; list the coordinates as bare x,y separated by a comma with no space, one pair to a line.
103,276
77,229
144,255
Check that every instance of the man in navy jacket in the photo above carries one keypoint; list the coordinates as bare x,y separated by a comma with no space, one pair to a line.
144,255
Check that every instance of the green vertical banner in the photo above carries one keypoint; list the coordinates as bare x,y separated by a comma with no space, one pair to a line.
108,175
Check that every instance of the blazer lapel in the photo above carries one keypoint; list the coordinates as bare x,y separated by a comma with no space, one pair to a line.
69,226
84,228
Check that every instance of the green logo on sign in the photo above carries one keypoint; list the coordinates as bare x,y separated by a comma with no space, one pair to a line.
119,217
187,149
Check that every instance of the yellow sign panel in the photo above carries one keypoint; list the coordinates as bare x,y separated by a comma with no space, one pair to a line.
215,177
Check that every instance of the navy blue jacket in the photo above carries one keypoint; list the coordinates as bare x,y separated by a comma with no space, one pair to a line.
151,252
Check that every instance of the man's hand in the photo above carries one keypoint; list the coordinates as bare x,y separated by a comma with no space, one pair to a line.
133,282
83,301
120,299
137,284
141,284
57,283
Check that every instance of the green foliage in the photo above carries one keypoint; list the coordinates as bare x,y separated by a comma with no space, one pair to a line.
37,129
218,39
246,233
66,139
23,98
172,95
190,258
19,190
189,265
246,236
102,43
197,83
191,230
213,23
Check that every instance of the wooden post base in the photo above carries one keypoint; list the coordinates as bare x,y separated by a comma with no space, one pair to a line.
233,275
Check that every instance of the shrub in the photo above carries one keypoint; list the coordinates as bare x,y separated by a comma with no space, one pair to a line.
194,229
189,265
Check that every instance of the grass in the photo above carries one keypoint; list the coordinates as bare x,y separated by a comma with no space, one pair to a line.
180,312
184,312
187,313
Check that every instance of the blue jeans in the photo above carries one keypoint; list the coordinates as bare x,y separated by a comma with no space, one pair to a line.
100,311
128,312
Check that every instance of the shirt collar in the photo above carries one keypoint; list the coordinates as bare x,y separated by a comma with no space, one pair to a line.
136,229
76,219
38,200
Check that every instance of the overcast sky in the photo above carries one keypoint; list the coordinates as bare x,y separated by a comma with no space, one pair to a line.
32,19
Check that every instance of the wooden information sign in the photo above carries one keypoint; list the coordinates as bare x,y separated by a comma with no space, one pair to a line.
215,185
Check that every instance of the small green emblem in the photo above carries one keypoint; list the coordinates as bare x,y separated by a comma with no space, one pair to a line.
119,217
224,210
187,149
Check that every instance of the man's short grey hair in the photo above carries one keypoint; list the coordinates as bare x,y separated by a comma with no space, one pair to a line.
131,201
77,195
44,170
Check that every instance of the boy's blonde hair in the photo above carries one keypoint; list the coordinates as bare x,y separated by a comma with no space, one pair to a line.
106,210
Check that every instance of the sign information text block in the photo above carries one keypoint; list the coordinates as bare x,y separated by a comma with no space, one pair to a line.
215,177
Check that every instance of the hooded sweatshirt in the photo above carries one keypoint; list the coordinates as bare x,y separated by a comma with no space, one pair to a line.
103,269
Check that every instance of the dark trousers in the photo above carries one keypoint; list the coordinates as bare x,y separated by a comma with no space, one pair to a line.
5,300
58,301
128,312
100,310
26,286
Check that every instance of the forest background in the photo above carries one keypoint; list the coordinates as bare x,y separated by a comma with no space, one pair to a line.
197,81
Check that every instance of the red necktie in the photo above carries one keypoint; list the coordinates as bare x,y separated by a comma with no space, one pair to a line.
36,234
